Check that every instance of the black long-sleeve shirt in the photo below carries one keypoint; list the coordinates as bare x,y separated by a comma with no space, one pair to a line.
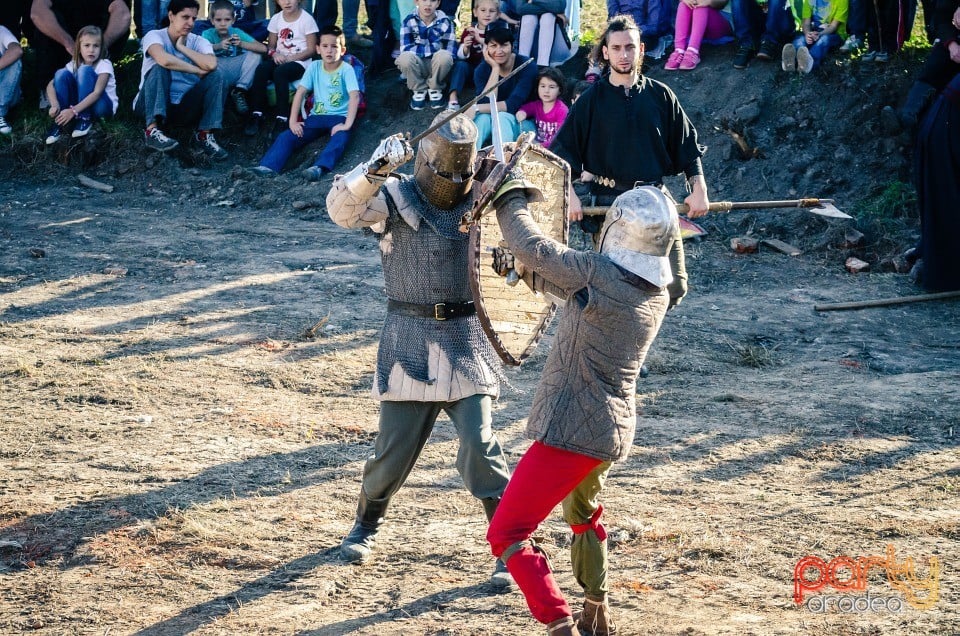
943,21
629,135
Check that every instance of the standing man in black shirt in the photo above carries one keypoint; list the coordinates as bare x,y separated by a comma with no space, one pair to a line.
628,130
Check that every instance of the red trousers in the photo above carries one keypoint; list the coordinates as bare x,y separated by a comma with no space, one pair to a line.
542,479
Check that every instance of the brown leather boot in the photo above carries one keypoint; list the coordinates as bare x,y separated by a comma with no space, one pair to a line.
563,627
596,619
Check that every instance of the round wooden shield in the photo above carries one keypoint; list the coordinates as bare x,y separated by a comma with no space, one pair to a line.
513,316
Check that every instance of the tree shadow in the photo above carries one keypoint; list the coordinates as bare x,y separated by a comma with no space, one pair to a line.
195,617
58,534
412,609
214,281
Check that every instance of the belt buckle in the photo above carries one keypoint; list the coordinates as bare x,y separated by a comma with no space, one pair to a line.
439,310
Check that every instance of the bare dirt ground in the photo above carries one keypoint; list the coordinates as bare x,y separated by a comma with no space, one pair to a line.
178,457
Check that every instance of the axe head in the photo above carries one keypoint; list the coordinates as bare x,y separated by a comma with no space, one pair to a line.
828,209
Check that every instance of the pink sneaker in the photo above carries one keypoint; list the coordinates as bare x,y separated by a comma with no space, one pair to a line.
673,62
690,60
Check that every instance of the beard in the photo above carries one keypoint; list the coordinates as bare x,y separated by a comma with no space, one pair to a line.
626,68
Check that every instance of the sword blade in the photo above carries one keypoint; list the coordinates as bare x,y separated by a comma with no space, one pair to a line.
495,128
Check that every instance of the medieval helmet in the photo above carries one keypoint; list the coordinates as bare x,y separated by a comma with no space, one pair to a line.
639,232
445,161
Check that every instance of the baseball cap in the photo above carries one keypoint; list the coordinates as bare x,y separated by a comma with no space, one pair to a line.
639,232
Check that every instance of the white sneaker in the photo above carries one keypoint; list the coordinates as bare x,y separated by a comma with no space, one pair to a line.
419,100
852,44
804,60
788,57
5,127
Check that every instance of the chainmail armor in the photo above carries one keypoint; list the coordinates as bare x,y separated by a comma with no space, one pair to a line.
428,266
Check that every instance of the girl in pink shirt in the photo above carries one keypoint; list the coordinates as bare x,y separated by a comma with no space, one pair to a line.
545,116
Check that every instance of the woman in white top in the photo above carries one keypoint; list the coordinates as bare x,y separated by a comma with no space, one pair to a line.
180,82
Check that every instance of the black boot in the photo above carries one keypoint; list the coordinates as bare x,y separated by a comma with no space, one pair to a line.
359,543
501,576
490,507
918,99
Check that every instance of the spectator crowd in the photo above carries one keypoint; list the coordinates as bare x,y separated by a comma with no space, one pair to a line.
293,72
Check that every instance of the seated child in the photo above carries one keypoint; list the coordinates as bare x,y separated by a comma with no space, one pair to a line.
244,18
823,31
11,67
538,20
697,20
85,89
336,95
470,51
290,47
545,116
427,47
238,54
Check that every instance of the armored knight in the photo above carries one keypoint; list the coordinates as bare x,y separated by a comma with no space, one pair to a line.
433,354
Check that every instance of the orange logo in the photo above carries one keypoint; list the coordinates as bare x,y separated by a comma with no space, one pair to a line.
846,574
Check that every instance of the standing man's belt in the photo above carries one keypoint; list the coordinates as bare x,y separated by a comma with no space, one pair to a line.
437,311
612,184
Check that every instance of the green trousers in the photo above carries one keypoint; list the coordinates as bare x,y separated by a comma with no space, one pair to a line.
405,428
588,554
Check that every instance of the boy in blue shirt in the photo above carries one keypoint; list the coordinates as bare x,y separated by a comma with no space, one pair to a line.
238,54
336,95
245,19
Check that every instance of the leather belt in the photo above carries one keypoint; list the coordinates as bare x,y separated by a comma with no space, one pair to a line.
437,311
612,184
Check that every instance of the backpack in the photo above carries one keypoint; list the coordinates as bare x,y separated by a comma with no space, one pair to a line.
360,70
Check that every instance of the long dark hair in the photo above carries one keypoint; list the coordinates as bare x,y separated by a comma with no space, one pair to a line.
175,7
618,24
552,74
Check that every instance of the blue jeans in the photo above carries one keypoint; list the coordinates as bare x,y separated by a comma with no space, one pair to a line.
751,25
325,13
316,125
509,128
10,87
820,48
857,18
350,10
451,8
154,11
72,89
204,101
462,73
